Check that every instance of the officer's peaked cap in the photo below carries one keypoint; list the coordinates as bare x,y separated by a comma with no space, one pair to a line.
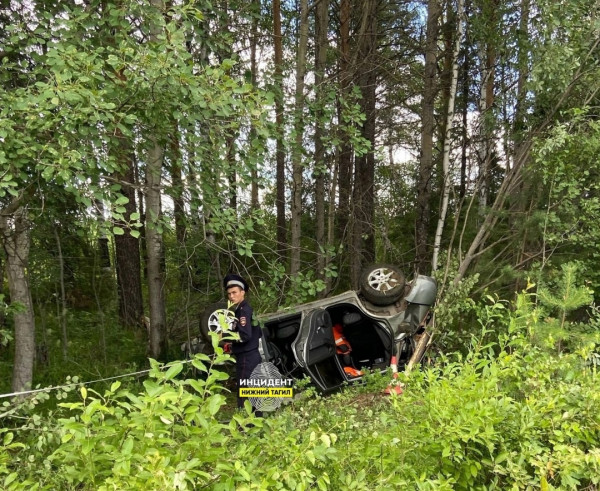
235,280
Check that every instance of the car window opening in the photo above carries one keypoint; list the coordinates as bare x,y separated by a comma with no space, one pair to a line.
370,343
281,335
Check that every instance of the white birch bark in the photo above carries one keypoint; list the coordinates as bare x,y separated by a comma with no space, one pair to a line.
446,155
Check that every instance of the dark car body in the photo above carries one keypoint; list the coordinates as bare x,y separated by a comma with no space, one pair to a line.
301,340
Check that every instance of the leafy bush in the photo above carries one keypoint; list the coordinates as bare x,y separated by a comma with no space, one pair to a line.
507,415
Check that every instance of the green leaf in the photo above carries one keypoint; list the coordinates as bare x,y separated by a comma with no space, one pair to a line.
173,371
8,438
152,388
10,478
118,231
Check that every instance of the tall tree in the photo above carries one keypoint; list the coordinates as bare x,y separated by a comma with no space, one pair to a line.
426,166
154,247
345,150
363,234
255,13
446,170
127,246
15,235
280,131
486,140
321,29
297,151
158,344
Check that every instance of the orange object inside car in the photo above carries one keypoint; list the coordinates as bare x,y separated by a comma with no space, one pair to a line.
342,347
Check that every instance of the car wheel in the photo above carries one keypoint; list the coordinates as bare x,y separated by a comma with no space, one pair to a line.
213,317
382,284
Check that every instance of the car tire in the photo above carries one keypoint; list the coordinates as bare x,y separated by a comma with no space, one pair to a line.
382,284
209,321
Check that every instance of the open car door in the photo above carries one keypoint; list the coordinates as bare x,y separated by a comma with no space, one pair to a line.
314,349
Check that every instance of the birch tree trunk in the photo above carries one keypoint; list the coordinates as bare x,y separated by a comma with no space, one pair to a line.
297,153
448,126
14,232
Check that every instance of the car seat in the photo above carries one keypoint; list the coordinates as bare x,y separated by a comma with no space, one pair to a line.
343,349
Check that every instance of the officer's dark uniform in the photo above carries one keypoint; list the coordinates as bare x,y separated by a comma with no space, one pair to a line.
245,350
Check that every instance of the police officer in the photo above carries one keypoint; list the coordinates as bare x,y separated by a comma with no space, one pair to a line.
245,350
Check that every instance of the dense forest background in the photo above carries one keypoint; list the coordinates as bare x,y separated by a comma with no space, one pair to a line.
148,148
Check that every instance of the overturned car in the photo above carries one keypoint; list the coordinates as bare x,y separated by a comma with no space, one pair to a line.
333,340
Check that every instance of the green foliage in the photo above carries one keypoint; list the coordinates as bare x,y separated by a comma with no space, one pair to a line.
454,309
7,309
567,296
283,290
568,163
507,415
564,294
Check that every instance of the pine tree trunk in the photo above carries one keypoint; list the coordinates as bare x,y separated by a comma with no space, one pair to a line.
297,152
127,252
280,148
523,55
321,21
485,148
345,154
465,114
427,131
363,236
254,204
